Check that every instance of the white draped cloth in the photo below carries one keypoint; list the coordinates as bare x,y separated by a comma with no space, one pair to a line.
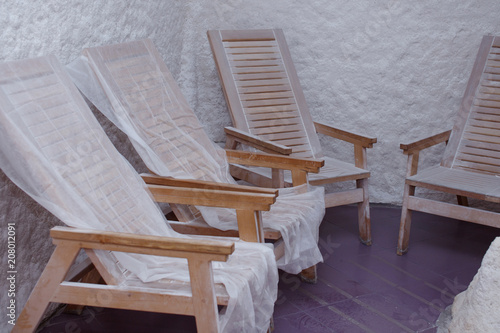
130,84
53,148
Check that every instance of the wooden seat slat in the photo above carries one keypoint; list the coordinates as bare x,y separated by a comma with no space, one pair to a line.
271,109
278,102
235,57
248,44
253,50
488,97
261,83
479,111
486,129
255,63
484,146
485,123
487,103
276,129
482,138
490,83
264,69
270,76
274,122
255,117
266,96
492,70
264,89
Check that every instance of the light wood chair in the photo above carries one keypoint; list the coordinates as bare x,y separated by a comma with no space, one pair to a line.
471,163
135,76
269,112
55,150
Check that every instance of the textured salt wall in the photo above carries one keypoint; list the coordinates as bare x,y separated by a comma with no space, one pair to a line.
64,28
391,69
476,309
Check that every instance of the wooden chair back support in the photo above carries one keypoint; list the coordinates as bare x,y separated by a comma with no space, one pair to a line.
262,88
136,73
475,141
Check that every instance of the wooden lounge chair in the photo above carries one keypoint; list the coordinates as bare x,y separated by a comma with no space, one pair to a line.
269,112
54,149
148,106
471,163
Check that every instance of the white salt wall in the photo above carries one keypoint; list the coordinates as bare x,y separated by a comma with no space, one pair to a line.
391,69
476,309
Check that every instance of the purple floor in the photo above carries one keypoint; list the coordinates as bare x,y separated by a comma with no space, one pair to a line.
360,288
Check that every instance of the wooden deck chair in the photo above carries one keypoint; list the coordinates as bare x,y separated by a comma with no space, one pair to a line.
148,106
53,148
269,112
471,161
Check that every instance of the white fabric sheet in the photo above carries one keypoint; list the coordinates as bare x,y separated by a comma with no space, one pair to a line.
53,148
130,84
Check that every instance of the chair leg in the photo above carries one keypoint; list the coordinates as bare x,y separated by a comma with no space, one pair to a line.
278,178
309,275
365,233
53,274
404,227
271,326
462,201
204,299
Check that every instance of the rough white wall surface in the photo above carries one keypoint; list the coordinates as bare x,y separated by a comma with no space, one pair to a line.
64,28
476,309
392,69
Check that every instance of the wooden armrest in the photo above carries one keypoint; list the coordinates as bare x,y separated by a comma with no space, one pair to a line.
343,135
213,198
256,142
410,148
152,179
146,244
273,161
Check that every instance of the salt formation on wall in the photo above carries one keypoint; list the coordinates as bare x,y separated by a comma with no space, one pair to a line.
392,69
476,309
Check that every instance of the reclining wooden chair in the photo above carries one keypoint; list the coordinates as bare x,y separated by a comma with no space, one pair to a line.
53,148
269,111
146,103
471,162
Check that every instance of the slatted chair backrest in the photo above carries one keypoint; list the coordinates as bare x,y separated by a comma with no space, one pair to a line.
262,88
65,157
475,140
144,92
